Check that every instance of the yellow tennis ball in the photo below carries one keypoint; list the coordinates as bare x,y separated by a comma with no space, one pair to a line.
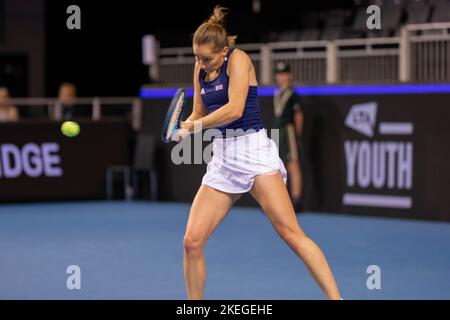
70,129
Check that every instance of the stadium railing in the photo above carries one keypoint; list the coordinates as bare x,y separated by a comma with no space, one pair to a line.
52,108
420,54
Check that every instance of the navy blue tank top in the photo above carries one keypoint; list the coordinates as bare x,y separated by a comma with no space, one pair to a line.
215,94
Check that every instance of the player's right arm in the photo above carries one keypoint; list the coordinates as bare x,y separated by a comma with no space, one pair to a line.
198,109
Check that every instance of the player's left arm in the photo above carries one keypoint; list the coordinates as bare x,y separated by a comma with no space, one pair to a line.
238,69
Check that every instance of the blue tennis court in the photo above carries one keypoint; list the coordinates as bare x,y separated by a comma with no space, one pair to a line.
133,250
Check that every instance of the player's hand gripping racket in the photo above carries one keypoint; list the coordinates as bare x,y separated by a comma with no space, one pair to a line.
173,116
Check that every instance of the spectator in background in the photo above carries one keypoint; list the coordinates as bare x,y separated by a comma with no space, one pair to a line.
8,112
67,96
289,122
67,93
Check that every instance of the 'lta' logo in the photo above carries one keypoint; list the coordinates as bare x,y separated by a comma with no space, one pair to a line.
362,118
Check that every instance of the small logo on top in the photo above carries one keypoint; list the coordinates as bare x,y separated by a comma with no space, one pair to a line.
362,118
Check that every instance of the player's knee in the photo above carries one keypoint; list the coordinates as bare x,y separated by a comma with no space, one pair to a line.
192,246
293,237
290,239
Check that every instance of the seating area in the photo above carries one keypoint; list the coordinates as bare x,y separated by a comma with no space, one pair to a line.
350,23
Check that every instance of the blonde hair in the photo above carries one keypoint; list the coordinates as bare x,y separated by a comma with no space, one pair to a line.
213,31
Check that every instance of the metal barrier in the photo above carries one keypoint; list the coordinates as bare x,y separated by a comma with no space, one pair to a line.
308,60
176,66
55,107
421,54
373,60
427,52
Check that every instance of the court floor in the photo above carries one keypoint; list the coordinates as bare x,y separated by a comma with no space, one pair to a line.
133,250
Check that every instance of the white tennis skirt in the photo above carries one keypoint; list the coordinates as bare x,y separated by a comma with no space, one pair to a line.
237,161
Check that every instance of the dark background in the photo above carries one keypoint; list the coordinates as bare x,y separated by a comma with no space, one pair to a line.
104,57
2,21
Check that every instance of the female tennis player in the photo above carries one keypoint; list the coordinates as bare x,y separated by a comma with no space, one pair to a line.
225,97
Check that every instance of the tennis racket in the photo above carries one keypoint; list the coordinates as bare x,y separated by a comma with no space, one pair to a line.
173,115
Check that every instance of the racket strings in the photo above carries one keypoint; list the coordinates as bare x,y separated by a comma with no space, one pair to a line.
175,116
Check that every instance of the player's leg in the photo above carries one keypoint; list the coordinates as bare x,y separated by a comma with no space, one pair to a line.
271,194
208,209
